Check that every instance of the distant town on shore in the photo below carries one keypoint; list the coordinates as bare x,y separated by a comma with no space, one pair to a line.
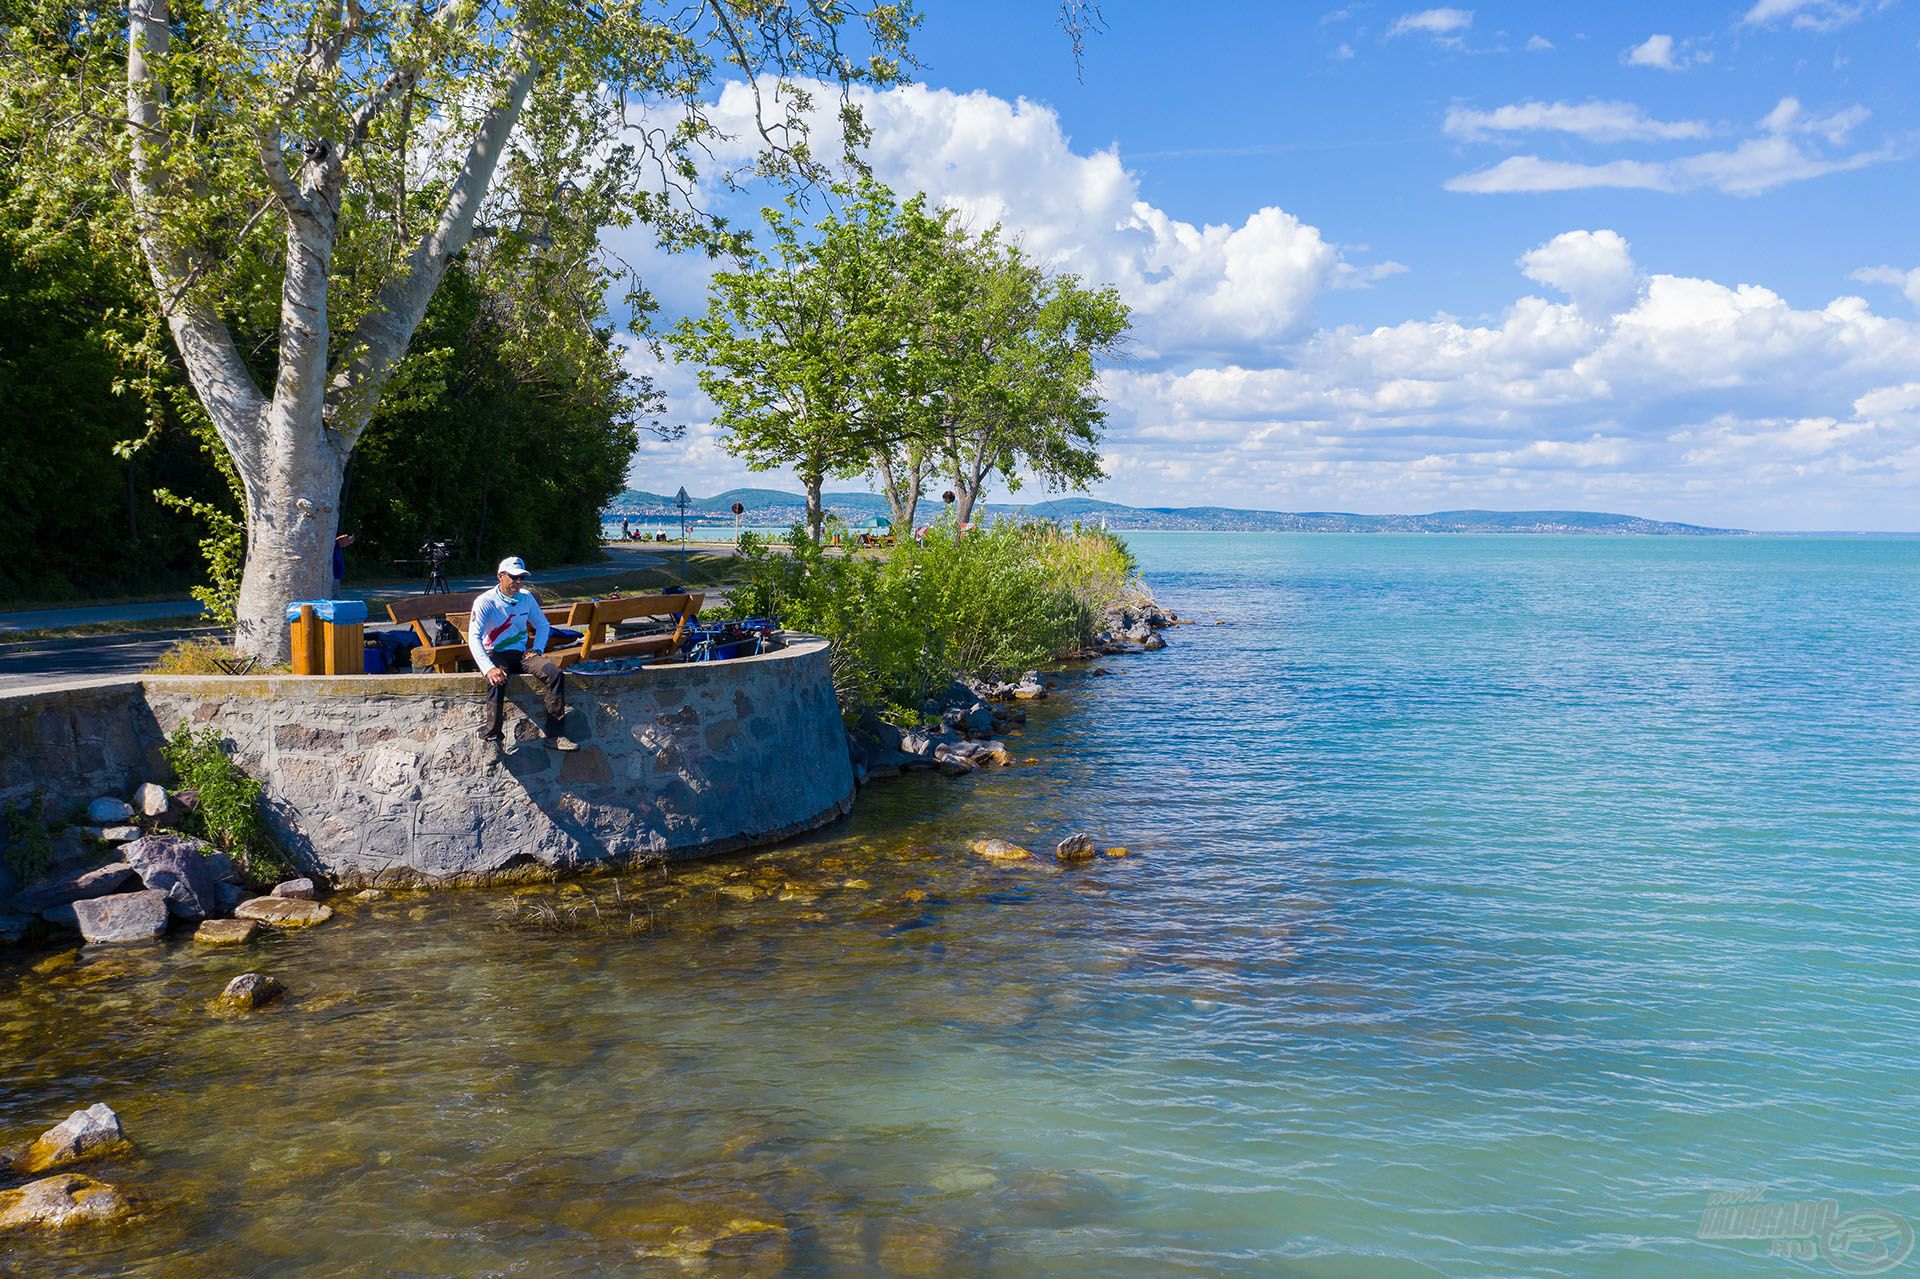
764,507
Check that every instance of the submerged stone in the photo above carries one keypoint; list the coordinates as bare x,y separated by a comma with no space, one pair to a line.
1077,847
226,932
61,1201
283,912
1000,850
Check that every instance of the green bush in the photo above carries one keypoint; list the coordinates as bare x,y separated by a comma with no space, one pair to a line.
228,814
986,605
29,843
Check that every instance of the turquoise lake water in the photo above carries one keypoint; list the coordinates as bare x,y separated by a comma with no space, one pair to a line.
1496,902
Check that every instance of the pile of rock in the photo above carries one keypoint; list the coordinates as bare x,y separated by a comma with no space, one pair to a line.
957,734
66,1199
127,877
1133,627
1077,847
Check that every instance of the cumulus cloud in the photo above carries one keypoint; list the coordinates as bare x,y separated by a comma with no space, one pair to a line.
1787,150
1538,44
1660,53
1442,24
1214,288
1600,386
1595,120
1594,268
1667,394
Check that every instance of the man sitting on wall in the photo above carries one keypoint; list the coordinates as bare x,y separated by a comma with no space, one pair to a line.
508,635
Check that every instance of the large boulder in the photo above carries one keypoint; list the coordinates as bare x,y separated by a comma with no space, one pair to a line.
977,720
92,1133
106,811
140,916
176,866
283,912
57,1202
74,886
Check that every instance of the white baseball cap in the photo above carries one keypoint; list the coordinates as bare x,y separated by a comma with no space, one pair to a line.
513,566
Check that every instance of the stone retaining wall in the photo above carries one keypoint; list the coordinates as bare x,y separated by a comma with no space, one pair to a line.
383,779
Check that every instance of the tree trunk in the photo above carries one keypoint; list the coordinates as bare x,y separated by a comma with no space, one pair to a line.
816,517
902,485
290,530
964,496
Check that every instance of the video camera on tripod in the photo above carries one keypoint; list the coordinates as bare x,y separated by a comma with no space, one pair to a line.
436,555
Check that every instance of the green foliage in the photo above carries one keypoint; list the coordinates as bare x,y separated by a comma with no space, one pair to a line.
224,550
228,814
29,842
986,605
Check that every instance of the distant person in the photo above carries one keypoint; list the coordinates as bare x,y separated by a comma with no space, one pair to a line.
508,636
626,531
340,545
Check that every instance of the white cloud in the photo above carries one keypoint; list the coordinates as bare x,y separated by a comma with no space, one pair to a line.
1661,53
1538,44
1809,15
1594,268
1216,288
1343,53
1662,394
1908,282
1527,173
1596,120
1441,24
1784,152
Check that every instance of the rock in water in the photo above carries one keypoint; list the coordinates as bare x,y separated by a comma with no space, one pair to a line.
226,932
151,800
297,889
1077,847
1153,643
1116,852
176,865
85,1134
999,850
107,812
249,991
283,912
138,916
57,1202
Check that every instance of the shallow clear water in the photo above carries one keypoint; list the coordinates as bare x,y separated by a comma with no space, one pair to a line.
1495,902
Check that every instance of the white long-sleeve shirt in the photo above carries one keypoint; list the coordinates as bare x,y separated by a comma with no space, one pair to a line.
502,625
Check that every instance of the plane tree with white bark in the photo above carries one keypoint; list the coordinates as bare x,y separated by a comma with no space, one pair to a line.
307,170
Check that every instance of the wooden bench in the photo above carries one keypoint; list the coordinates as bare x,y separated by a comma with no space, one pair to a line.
417,610
604,615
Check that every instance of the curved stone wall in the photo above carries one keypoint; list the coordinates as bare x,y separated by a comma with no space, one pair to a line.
383,779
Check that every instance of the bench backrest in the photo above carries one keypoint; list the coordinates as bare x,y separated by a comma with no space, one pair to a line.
418,608
607,613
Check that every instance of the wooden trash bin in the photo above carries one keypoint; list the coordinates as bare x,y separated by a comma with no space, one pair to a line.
309,653
321,647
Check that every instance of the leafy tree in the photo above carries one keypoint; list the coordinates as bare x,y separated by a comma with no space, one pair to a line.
797,346
310,169
1022,357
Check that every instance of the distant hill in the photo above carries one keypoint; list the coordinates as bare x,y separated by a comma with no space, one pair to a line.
771,506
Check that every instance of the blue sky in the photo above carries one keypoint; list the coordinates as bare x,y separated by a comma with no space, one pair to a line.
1650,258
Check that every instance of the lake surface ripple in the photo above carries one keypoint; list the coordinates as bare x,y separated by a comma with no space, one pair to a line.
1496,901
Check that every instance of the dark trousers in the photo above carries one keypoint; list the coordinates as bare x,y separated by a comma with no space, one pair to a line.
553,689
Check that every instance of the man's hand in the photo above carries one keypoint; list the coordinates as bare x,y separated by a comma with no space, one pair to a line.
496,677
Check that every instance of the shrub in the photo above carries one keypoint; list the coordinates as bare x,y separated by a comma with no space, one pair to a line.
986,605
29,843
228,814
